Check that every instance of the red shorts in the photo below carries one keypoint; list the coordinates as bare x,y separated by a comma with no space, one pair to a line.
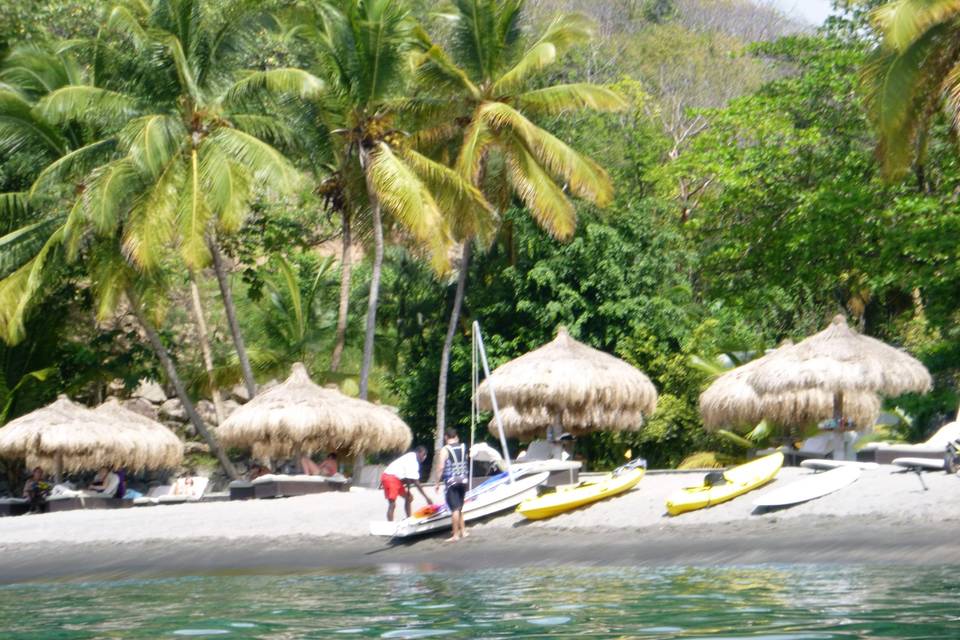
392,486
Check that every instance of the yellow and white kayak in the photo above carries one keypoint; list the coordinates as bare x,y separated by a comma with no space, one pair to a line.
735,482
567,498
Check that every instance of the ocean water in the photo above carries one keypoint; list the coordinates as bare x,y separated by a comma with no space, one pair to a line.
769,602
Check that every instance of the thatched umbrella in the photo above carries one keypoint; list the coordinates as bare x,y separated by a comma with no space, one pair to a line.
571,385
517,424
300,416
839,361
156,446
731,401
71,437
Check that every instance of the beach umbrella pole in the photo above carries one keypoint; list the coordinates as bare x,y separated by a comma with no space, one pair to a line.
493,396
58,468
839,448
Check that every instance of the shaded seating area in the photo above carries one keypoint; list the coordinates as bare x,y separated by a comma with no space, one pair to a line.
298,418
932,448
70,438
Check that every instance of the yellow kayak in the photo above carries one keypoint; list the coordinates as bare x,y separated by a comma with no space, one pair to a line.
567,498
729,485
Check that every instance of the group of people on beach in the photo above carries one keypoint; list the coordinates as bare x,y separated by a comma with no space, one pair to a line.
404,473
37,489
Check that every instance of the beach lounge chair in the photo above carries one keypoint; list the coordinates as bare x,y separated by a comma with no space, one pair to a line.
13,506
85,500
934,447
189,489
284,486
153,496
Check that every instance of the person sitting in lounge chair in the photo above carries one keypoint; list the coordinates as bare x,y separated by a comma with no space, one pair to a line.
36,491
329,466
309,467
106,483
257,470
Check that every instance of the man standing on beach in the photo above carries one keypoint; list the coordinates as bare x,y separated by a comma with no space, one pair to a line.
455,477
397,478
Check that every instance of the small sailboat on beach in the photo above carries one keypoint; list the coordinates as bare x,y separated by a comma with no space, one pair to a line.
500,493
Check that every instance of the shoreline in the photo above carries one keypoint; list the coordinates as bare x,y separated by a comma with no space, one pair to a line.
817,541
883,518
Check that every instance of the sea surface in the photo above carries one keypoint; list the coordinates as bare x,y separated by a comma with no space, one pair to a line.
768,601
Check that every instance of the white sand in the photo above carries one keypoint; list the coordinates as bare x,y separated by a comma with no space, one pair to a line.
878,496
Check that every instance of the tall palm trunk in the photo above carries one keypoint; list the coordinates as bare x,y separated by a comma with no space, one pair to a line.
204,339
445,355
231,312
374,297
167,363
346,268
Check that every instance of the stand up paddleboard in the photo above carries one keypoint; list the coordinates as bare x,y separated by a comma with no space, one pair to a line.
922,464
825,464
809,487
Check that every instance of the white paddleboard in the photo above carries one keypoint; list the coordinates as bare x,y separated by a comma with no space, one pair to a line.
809,487
825,464
927,464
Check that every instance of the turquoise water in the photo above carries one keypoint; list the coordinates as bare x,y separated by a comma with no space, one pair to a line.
770,602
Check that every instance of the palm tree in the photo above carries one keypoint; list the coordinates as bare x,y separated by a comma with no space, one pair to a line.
362,48
192,142
482,95
912,72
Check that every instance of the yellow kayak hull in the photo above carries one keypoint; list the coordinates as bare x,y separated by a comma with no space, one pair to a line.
740,480
568,498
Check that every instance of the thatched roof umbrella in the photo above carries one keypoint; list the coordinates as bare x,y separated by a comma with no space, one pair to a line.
528,424
575,386
71,437
839,361
300,416
731,401
156,445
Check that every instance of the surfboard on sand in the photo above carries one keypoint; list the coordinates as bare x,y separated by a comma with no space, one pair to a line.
925,464
809,487
825,464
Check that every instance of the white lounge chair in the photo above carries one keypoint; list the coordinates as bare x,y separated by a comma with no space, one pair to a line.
934,447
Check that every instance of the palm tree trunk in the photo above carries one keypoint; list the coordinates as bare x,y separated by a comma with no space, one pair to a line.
170,369
374,297
204,339
231,312
346,268
445,355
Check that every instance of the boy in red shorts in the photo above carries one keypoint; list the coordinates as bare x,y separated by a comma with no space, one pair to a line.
399,475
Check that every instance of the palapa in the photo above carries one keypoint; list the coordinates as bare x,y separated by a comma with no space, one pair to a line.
730,401
157,446
567,383
70,437
839,360
528,424
300,416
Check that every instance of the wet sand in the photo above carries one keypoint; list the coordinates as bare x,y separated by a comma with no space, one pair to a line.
884,518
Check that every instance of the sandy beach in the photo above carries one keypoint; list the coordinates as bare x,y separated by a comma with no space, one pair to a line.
885,517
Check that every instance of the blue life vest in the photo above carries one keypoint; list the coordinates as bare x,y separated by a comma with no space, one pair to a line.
455,466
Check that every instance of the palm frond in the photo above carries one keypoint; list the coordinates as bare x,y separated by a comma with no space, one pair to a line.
408,200
19,290
900,89
468,212
109,194
291,81
476,139
548,205
15,208
21,245
437,72
148,230
226,186
20,127
86,104
569,97
150,141
74,163
193,217
902,22
538,57
267,165
583,176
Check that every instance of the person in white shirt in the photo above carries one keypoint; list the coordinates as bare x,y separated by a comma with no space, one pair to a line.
106,483
397,478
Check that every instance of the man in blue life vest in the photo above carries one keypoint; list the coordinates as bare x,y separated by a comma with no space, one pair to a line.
455,477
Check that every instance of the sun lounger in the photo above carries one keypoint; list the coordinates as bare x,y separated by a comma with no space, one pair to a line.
284,486
153,496
85,500
933,448
184,491
13,506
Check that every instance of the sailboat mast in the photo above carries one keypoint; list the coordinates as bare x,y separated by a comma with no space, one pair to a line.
493,397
